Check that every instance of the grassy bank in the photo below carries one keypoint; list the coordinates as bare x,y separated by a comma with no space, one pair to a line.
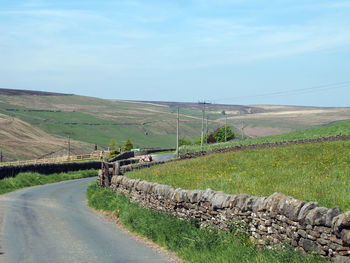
317,172
30,179
338,128
185,237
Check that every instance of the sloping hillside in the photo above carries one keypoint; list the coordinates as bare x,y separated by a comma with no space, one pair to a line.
20,140
147,124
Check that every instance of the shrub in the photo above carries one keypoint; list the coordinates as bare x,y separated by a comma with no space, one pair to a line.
113,153
128,145
184,141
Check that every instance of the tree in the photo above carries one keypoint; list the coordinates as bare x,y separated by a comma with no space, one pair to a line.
127,146
219,134
223,112
184,141
112,145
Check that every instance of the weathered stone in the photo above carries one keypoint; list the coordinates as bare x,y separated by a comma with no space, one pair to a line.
332,213
207,195
258,206
196,196
218,199
176,195
342,259
302,233
316,216
340,222
307,244
322,241
304,210
290,207
262,228
271,202
239,200
248,204
345,236
314,233
336,240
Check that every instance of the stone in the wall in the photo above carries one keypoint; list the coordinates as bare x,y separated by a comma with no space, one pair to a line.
332,213
218,200
316,216
341,222
239,200
272,202
304,211
258,206
290,207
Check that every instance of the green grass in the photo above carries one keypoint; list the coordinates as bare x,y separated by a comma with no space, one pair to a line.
310,172
337,128
30,179
185,237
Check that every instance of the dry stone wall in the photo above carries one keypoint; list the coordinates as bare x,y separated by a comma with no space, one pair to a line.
47,168
269,220
264,145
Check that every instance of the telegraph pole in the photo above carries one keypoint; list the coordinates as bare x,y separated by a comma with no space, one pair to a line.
177,132
242,129
203,114
225,128
68,147
206,133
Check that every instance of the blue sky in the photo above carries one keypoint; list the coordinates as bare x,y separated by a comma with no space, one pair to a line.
223,51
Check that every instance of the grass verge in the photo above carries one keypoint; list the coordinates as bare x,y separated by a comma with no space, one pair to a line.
338,128
30,179
185,237
310,172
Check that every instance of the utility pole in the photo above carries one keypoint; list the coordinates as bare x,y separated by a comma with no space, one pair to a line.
177,132
225,128
0,156
68,147
242,129
206,133
203,114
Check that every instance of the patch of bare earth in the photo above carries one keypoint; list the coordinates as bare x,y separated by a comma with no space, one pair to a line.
21,139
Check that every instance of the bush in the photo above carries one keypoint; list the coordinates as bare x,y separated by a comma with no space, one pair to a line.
113,153
219,134
128,145
184,141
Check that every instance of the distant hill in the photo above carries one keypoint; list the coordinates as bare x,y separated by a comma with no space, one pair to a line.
147,123
17,92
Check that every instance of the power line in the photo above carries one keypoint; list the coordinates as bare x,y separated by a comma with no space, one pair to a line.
325,87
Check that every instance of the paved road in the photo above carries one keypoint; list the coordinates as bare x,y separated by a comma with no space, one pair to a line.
162,157
52,223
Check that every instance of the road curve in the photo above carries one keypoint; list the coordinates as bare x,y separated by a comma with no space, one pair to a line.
52,223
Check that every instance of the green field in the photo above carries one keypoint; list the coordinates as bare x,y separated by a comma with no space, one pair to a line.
337,128
30,179
310,172
89,121
184,237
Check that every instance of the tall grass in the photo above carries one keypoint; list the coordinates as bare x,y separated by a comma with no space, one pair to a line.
318,172
338,128
185,237
30,179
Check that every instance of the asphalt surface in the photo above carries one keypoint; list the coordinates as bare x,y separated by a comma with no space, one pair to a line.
52,223
162,157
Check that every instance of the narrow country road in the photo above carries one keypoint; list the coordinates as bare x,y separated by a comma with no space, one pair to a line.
52,223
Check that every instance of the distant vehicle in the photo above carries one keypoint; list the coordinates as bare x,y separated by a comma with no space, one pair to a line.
145,158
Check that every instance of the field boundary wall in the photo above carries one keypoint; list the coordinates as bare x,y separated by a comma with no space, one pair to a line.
270,221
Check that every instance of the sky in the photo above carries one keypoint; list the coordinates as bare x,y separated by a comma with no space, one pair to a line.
290,52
